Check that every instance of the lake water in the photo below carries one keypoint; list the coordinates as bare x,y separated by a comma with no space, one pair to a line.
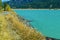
45,21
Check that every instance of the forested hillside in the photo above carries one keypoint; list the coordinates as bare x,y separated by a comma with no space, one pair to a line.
34,3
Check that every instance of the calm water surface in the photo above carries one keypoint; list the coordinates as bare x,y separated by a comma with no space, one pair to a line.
45,21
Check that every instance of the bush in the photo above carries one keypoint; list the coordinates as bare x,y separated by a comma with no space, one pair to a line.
6,7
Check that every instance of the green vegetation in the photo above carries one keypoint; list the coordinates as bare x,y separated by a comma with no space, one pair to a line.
4,7
50,4
0,4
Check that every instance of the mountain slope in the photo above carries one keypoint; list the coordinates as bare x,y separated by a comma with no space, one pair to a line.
34,3
12,28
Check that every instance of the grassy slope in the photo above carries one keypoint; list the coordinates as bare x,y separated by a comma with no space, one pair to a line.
11,28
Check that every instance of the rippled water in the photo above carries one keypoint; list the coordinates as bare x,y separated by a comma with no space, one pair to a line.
45,21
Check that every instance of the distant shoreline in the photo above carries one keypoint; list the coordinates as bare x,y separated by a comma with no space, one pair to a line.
35,9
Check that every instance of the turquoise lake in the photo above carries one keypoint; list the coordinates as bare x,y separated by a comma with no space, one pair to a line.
45,21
